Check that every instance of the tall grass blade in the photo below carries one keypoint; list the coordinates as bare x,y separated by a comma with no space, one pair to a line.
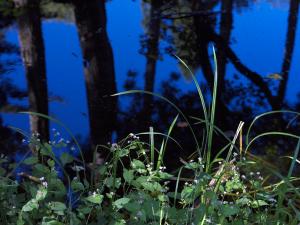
169,102
163,135
163,149
201,96
268,134
295,157
152,147
212,112
234,140
266,114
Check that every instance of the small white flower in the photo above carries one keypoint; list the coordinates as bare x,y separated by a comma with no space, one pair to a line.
42,178
45,184
77,168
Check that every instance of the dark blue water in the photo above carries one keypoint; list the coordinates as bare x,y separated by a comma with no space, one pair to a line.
258,35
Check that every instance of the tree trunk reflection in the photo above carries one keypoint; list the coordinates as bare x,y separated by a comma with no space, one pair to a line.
33,56
98,68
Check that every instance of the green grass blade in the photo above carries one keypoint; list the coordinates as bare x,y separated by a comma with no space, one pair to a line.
234,140
268,134
266,114
295,157
164,135
169,102
212,112
177,185
200,93
151,137
163,149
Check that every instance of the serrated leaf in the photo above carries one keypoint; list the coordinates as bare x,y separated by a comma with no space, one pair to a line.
229,210
137,164
30,160
128,175
57,206
110,182
66,158
31,205
41,168
95,198
76,185
258,203
41,194
120,203
152,186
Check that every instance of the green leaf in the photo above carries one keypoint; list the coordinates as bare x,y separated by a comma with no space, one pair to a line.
50,221
31,205
258,203
128,175
47,150
57,206
229,210
132,206
41,194
162,198
152,187
76,185
51,163
110,182
2,172
120,203
139,181
137,164
41,169
95,198
31,160
66,158
164,175
243,201
123,152
84,210
187,193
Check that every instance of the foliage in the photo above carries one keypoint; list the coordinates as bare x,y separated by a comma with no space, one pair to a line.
134,188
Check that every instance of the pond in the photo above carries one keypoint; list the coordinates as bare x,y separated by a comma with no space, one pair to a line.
66,58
